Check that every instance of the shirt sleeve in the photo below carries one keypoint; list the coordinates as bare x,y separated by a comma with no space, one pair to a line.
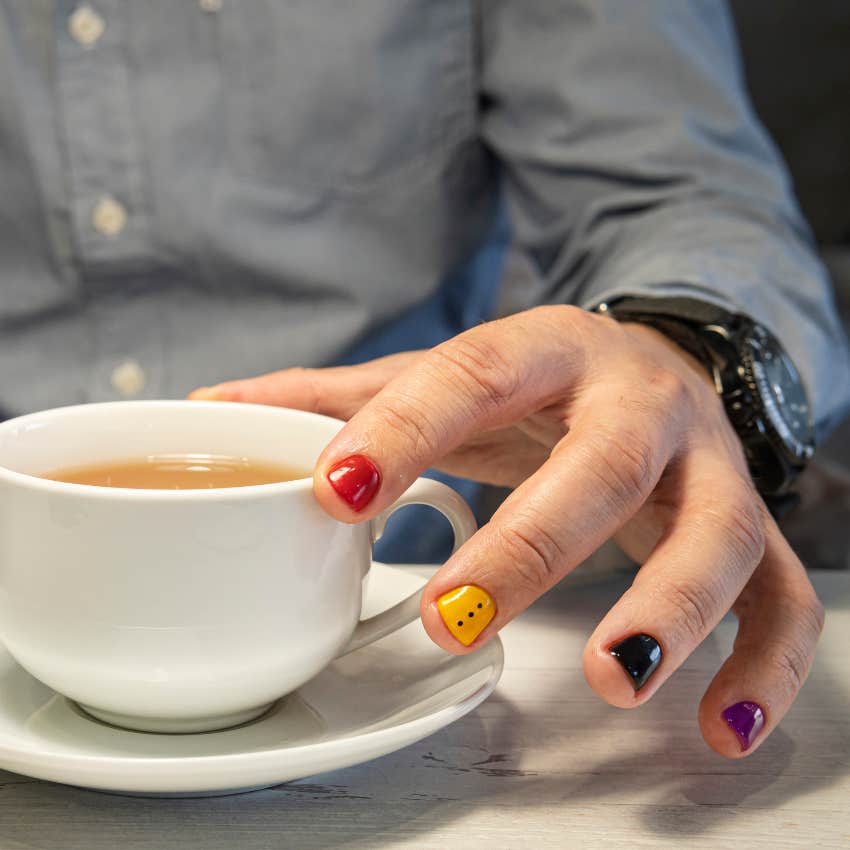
633,164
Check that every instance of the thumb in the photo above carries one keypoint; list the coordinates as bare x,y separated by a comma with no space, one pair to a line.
339,391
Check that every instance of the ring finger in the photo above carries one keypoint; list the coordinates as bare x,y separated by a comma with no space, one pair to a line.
703,560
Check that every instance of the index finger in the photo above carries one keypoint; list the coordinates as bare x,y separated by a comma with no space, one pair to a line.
484,378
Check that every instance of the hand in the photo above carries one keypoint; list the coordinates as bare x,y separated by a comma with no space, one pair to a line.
603,430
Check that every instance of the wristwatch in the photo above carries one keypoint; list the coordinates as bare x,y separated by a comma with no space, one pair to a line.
761,389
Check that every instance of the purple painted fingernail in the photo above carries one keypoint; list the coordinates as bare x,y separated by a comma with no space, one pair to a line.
746,720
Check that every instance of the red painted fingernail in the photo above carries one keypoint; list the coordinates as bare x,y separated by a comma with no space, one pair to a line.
356,480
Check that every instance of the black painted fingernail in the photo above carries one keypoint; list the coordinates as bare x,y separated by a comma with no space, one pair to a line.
746,720
638,655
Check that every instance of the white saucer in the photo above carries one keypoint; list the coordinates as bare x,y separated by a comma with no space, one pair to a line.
371,702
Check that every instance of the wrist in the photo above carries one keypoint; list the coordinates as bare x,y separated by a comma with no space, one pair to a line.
758,383
655,337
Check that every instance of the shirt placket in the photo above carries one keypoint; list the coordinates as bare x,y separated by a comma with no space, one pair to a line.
109,211
109,214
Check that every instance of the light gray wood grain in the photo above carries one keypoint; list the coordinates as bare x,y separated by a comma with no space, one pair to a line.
542,764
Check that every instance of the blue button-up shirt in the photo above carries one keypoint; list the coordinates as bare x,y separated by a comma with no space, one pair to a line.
199,190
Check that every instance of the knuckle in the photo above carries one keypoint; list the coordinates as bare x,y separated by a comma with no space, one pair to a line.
792,663
564,315
625,462
533,554
480,365
575,331
810,616
815,614
744,531
307,379
745,535
737,523
694,609
668,390
790,656
580,334
415,436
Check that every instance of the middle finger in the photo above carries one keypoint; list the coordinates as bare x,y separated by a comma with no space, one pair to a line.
596,479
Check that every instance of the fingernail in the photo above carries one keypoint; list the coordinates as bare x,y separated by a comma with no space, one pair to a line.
355,480
466,611
746,720
639,656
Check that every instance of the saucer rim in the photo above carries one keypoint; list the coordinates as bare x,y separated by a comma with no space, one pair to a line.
180,771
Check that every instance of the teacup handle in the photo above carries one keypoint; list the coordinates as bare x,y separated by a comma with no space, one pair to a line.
423,491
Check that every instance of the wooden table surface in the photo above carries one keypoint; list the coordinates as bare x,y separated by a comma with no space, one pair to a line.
543,763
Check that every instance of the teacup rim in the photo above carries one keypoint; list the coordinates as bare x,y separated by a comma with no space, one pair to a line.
35,482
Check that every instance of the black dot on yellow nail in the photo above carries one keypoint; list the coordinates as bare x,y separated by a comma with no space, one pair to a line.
480,604
460,622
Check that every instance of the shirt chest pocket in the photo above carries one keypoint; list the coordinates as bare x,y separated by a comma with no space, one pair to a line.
346,95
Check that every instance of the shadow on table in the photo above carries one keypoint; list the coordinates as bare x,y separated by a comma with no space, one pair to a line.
402,796
339,809
485,760
681,768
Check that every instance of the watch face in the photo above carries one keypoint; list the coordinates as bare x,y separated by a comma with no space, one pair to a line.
782,393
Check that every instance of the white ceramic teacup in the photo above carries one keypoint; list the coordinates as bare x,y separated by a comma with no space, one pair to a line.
189,610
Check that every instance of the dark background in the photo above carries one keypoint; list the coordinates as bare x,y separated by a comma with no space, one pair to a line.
797,62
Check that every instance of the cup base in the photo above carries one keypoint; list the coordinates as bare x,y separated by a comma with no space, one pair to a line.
172,726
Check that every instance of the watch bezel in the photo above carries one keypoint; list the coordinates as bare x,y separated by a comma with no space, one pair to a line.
755,377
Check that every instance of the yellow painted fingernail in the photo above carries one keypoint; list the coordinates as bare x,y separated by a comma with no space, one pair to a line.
466,611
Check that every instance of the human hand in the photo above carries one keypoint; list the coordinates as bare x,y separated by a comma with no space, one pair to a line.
603,429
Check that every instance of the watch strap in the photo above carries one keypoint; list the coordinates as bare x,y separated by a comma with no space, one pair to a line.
682,320
684,309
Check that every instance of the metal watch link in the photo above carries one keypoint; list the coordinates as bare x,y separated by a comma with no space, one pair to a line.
760,387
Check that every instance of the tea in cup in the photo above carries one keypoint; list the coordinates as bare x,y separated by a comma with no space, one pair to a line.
181,608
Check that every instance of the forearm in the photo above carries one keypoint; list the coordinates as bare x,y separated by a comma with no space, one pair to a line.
634,165
748,262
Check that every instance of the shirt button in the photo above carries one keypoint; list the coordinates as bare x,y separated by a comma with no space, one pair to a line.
128,378
210,5
109,217
86,26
